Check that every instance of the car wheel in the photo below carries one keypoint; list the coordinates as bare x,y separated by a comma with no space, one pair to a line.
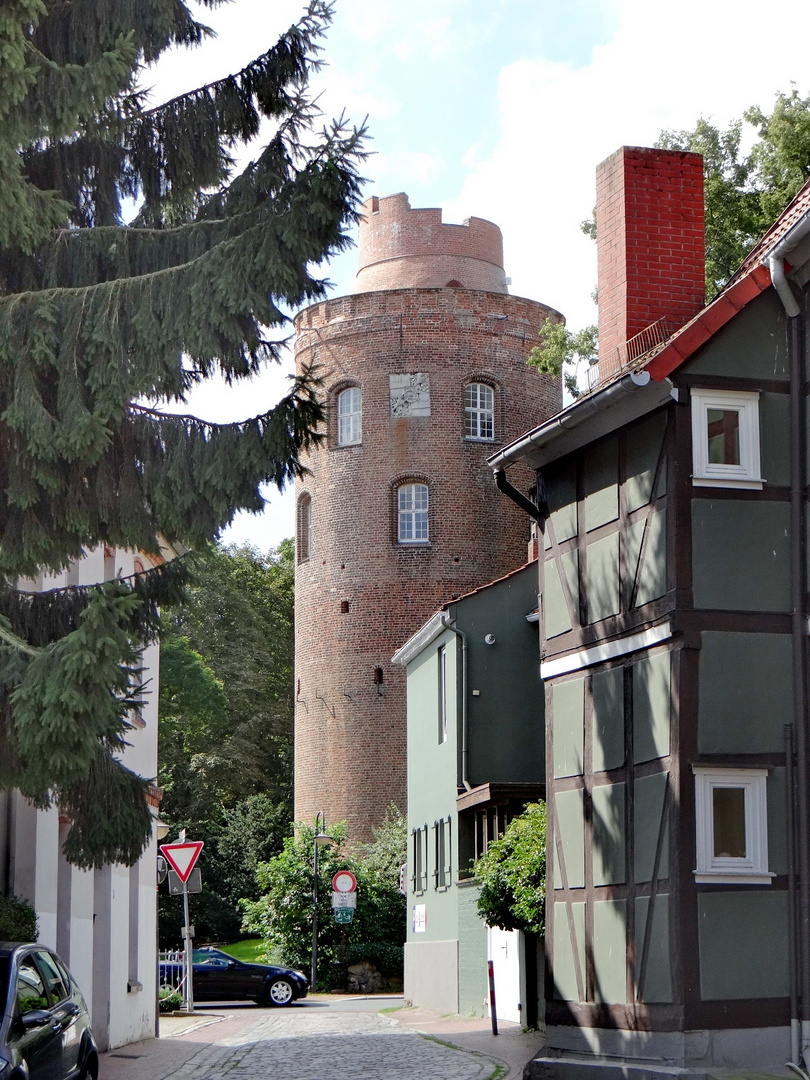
279,992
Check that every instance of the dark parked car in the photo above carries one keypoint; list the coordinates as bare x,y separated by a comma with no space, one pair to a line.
218,977
45,1028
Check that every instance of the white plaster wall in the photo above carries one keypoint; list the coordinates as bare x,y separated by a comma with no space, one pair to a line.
85,915
431,974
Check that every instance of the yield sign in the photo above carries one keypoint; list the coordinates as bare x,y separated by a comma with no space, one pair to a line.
182,856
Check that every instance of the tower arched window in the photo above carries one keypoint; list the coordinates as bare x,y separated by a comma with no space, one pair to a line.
303,530
479,411
412,514
349,416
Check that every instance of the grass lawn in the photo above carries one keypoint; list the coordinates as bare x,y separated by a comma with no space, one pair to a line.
250,950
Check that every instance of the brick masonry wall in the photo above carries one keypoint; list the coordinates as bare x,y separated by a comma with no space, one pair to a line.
360,595
403,248
650,245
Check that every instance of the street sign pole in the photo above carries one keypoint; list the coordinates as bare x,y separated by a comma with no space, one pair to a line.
189,953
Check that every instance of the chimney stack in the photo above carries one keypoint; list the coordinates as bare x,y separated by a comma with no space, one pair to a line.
650,247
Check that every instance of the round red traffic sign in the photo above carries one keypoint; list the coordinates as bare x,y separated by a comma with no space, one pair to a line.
344,881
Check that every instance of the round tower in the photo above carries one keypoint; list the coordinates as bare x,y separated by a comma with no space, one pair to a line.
425,372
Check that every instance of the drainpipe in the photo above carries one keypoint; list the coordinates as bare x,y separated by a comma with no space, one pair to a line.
799,628
447,624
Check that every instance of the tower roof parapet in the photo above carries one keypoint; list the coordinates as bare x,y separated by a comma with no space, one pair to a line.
402,248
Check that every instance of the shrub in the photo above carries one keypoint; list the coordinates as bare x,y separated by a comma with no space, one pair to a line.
512,874
18,920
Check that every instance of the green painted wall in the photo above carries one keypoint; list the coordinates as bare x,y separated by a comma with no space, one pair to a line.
743,945
653,969
746,677
607,740
600,479
610,951
472,953
652,697
608,834
568,734
752,346
741,555
506,734
432,778
569,953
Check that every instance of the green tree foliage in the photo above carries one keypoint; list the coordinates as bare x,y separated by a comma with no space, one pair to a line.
283,915
18,920
561,352
512,874
744,193
226,707
103,325
226,688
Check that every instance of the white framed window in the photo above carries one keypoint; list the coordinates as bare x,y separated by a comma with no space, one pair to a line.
412,514
303,530
731,822
725,439
442,660
479,411
350,416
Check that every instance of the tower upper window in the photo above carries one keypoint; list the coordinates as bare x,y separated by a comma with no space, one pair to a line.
304,528
350,416
479,411
412,514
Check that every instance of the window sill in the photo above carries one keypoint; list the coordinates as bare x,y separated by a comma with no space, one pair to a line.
733,877
727,482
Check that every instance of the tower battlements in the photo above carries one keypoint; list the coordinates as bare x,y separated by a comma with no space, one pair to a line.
402,248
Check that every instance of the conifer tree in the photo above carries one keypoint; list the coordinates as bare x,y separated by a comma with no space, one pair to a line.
103,324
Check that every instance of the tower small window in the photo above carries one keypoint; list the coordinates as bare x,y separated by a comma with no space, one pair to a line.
304,528
412,514
350,416
479,411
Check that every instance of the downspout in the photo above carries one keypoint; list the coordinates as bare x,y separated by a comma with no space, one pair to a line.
447,624
516,496
798,590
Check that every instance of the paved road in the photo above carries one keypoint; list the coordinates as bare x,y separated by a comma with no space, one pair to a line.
317,1039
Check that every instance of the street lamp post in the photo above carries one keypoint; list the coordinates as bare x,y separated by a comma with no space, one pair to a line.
319,839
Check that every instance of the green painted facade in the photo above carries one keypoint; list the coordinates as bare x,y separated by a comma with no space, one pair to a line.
488,631
666,646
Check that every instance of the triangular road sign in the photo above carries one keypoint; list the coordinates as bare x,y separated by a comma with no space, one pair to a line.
181,857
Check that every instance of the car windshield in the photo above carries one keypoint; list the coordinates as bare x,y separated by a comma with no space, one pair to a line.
211,957
3,982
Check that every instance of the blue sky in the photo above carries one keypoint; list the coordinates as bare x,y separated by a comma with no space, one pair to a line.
502,109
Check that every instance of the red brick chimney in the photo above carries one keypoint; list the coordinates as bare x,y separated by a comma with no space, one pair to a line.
650,247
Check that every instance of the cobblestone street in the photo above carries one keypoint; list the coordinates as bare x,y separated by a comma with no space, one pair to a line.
320,1040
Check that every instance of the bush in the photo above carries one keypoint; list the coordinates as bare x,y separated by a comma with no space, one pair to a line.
18,920
512,874
283,916
169,999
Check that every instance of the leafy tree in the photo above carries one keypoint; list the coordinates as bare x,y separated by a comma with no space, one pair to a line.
103,325
235,741
386,853
562,352
512,874
283,915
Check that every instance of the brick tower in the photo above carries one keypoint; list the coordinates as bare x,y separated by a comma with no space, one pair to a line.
426,376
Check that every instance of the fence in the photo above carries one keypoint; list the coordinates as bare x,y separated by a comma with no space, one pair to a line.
173,969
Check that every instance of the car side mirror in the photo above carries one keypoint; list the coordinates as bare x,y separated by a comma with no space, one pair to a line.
35,1018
